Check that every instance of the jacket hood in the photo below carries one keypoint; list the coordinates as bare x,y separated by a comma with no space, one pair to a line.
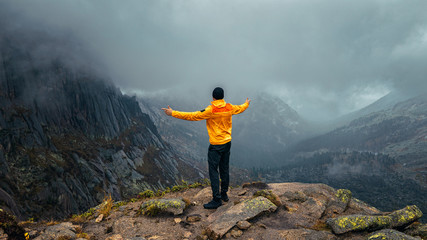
219,103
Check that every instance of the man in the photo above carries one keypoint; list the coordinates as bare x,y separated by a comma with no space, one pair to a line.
218,122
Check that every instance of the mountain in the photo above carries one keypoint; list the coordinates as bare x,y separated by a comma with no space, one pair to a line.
69,137
399,132
385,103
382,152
268,126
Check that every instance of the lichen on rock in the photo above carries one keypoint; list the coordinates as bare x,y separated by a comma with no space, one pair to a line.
397,218
405,216
270,196
358,223
417,229
343,195
153,207
390,234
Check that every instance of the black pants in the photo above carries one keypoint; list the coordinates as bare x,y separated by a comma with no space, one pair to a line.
219,158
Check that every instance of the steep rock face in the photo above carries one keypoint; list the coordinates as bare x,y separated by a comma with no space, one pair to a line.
68,138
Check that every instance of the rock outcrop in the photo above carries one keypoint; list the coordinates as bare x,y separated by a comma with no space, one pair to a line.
303,215
239,212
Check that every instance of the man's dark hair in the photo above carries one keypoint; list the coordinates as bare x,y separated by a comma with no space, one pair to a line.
218,93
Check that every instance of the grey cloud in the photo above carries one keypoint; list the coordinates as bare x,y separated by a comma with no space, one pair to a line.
325,58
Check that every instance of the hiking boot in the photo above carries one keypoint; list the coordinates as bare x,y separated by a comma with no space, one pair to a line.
224,197
214,204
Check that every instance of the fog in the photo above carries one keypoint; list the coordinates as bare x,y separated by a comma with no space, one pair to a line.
324,58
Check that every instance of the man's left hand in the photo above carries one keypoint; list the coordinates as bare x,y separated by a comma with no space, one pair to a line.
168,110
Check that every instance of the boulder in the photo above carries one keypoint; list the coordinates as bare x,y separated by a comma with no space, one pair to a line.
313,207
243,225
405,216
390,234
339,203
397,218
236,233
243,211
65,230
152,207
358,223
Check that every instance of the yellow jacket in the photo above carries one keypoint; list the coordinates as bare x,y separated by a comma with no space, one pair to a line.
218,119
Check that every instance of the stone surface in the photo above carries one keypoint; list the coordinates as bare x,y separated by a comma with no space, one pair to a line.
397,218
405,216
236,233
194,218
204,193
339,203
115,237
297,196
417,229
306,234
240,212
65,230
243,225
270,196
175,206
390,234
99,218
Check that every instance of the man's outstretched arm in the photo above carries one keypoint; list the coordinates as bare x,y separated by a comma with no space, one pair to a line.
241,108
189,116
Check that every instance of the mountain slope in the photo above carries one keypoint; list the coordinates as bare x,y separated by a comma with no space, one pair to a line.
268,126
400,132
68,137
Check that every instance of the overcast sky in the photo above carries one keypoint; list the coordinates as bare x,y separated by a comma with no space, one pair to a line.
323,57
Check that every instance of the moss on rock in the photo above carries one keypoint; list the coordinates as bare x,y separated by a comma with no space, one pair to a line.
155,206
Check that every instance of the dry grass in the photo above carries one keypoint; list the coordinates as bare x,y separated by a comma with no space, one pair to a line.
107,205
52,222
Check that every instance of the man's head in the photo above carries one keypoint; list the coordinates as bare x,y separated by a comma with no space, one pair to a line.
218,93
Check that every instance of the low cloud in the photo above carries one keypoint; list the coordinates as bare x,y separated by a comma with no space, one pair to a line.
325,58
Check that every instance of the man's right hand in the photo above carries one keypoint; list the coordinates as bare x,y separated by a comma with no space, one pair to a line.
168,111
248,101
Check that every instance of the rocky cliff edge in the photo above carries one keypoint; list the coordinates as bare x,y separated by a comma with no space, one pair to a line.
254,211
